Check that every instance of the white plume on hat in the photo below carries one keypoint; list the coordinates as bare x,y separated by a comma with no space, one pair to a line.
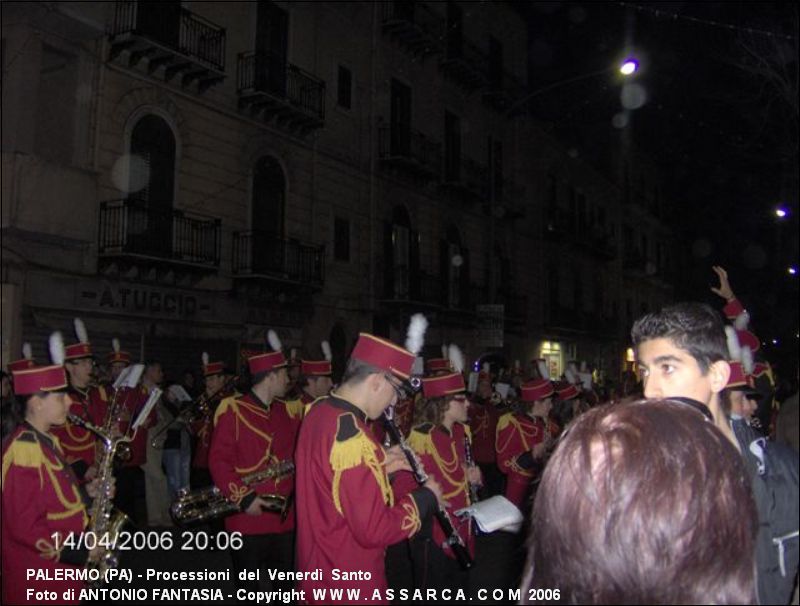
742,320
56,345
444,350
274,341
734,348
747,359
573,367
542,366
570,375
415,338
80,331
516,364
584,366
326,351
487,368
115,345
456,358
293,353
204,358
27,351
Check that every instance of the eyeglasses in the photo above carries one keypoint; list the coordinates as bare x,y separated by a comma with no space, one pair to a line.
401,392
459,399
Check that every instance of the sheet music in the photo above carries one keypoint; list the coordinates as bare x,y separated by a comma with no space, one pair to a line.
129,377
178,393
502,389
148,406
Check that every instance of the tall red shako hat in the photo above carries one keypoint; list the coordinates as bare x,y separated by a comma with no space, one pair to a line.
81,349
26,361
272,360
32,380
318,368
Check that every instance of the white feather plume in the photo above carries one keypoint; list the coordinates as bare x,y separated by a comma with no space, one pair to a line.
115,345
293,353
56,345
486,367
204,358
570,376
747,359
445,350
742,320
542,366
573,367
456,358
584,366
516,365
274,340
80,331
326,351
27,351
415,338
734,349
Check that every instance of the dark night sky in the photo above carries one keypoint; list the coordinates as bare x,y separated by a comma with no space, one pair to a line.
725,138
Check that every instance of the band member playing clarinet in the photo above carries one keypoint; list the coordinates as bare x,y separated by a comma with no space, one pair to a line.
347,514
43,500
440,443
251,433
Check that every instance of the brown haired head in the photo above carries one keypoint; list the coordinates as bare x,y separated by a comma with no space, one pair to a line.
644,502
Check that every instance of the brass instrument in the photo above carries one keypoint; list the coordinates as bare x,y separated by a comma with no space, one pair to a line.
105,522
114,416
209,503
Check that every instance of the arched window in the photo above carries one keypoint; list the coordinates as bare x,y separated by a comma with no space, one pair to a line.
267,213
454,268
151,185
400,254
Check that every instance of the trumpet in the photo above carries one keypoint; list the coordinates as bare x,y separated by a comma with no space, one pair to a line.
209,503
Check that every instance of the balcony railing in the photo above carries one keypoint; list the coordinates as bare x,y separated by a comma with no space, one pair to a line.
136,227
179,30
262,254
469,175
263,72
415,25
410,147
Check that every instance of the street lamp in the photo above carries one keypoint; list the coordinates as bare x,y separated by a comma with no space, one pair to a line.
781,212
628,67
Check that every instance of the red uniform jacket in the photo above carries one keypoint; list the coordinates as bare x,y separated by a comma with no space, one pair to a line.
249,436
346,513
132,400
517,434
443,456
41,496
77,443
483,416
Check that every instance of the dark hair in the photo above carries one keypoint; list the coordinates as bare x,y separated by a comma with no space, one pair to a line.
356,371
430,410
260,376
693,327
644,502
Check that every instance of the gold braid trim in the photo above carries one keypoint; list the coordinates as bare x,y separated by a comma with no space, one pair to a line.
23,454
421,443
294,408
411,521
237,493
47,550
351,453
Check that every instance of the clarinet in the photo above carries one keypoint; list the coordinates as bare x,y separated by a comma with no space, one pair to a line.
453,540
473,489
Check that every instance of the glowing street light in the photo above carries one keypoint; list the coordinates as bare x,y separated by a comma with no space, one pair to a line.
792,270
781,212
628,67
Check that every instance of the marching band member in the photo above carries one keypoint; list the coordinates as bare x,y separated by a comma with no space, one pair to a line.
346,510
86,401
203,423
315,377
11,415
41,495
441,443
252,432
483,417
522,440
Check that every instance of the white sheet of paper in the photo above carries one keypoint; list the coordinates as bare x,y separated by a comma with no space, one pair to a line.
148,406
179,393
472,384
496,513
502,389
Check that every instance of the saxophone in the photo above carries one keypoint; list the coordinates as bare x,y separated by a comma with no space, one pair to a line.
105,522
209,503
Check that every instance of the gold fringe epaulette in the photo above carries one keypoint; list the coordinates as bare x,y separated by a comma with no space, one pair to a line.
24,451
294,408
353,448
504,421
420,439
229,402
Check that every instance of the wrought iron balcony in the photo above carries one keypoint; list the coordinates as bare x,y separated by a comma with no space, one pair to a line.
263,255
410,149
135,228
465,63
283,92
414,25
467,176
417,288
172,37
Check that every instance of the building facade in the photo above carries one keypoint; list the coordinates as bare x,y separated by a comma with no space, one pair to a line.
186,175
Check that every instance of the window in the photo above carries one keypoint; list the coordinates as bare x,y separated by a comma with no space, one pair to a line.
400,119
344,90
267,215
341,239
56,106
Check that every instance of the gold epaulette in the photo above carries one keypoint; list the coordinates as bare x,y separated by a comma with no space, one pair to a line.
504,421
231,402
420,439
24,451
353,448
294,408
